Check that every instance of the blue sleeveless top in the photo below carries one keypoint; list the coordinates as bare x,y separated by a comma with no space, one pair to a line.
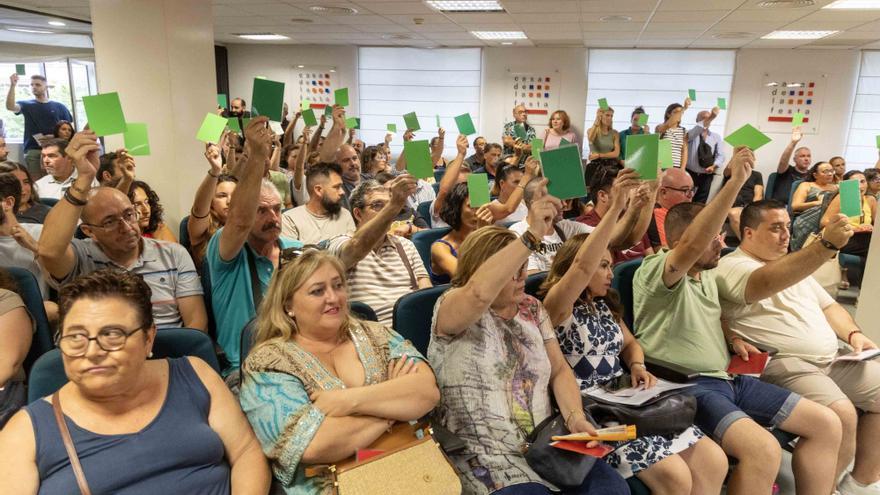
444,278
177,452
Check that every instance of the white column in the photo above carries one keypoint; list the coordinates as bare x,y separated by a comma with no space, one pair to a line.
159,56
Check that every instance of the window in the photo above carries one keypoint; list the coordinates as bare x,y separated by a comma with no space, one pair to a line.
655,78
395,81
864,126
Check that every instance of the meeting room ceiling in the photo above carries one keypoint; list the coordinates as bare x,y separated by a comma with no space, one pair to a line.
590,23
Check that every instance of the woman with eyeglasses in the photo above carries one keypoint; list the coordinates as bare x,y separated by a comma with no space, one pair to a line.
498,362
862,225
872,176
809,201
146,201
509,186
137,426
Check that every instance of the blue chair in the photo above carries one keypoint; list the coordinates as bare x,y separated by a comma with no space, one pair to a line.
47,375
533,283
205,275
184,233
436,187
50,202
424,210
29,291
423,240
794,186
413,313
362,310
622,283
771,185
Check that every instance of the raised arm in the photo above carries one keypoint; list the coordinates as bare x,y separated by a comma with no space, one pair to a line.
462,306
785,157
450,176
243,207
707,224
560,300
275,157
55,252
502,210
400,164
126,163
630,230
335,137
437,149
313,145
288,133
299,163
11,105
200,213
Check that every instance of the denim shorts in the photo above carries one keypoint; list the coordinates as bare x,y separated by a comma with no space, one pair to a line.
722,402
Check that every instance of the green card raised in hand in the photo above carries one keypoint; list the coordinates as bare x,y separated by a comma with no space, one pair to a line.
797,119
104,113
537,148
392,128
722,104
233,124
418,159
137,141
520,132
438,122
212,128
746,136
603,103
562,167
267,99
19,69
642,152
352,123
478,190
412,122
643,120
328,110
340,96
692,94
664,154
850,198
465,124
564,142
878,142
309,118
222,102
305,105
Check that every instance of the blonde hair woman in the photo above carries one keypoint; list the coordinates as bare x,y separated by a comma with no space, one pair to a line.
604,140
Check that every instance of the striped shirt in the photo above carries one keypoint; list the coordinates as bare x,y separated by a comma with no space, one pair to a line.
381,278
676,135
165,266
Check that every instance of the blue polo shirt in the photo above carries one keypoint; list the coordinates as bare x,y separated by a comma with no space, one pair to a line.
232,299
40,118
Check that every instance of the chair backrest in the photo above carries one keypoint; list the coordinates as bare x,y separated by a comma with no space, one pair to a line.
184,233
362,310
50,202
622,283
413,313
436,187
424,210
794,186
48,375
771,185
205,274
29,291
533,283
423,240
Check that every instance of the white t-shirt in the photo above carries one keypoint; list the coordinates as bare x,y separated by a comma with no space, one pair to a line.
541,261
301,224
791,320
12,254
520,213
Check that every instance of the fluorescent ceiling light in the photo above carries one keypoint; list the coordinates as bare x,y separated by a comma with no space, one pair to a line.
854,4
500,35
263,36
797,35
57,23
465,5
506,42
30,31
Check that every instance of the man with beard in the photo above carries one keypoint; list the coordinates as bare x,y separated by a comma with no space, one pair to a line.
323,217
40,116
349,162
111,223
248,247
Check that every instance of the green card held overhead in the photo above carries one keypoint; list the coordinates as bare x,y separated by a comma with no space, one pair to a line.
136,138
309,118
878,142
222,101
664,154
267,99
212,128
520,132
104,113
797,119
328,110
603,103
438,122
537,147
418,159
643,120
392,128
478,190
412,122
642,154
746,136
562,167
465,124
722,104
692,94
19,69
305,105
340,96
850,198
352,123
233,124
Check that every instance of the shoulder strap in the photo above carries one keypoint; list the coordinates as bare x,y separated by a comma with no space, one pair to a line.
256,293
68,445
413,283
559,231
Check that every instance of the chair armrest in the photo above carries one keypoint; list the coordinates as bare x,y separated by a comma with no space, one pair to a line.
669,371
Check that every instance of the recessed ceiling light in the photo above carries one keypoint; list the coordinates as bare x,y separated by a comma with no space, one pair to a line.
465,5
506,42
332,70
797,35
57,23
262,36
29,30
854,4
616,18
330,10
786,4
300,66
500,35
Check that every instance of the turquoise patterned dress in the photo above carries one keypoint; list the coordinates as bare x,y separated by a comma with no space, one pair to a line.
277,379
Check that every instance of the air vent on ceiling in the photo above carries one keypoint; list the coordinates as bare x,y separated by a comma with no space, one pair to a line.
332,10
732,36
786,4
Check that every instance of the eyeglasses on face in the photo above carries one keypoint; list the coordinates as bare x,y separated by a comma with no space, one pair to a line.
130,216
687,191
109,339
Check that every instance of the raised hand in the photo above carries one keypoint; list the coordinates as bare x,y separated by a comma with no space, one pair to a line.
532,166
339,116
409,135
838,231
796,134
741,164
483,217
543,211
402,187
461,144
441,133
126,162
687,102
83,150
388,138
212,154
626,181
258,138
13,79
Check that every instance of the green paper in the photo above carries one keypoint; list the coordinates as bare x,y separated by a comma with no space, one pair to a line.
104,113
259,77
438,122
232,123
562,167
352,123
692,94
643,119
797,119
664,154
309,118
537,147
137,141
267,99
745,136
465,124
603,103
341,97
878,142
19,69
222,102
328,110
563,142
722,104
392,128
412,121
244,123
641,154
305,105
212,128
418,159
478,190
520,132
850,198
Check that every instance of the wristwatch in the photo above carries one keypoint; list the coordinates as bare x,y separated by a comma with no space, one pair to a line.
826,243
530,241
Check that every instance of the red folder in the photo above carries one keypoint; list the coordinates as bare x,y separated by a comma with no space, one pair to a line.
753,367
599,451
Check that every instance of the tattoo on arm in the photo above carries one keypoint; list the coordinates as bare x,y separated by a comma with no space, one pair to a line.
672,269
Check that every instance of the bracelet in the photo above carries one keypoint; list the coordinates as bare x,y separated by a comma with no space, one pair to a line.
849,337
826,243
212,175
571,413
73,199
192,213
639,363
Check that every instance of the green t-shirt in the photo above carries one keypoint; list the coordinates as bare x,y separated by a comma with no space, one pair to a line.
682,324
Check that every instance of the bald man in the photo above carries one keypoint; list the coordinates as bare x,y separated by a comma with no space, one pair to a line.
520,117
114,241
676,186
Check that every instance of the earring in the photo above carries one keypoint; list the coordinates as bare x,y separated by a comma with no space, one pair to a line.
290,314
150,355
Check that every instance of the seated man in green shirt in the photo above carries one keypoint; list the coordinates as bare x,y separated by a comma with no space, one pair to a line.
678,319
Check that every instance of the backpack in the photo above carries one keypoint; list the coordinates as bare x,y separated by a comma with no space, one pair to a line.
705,154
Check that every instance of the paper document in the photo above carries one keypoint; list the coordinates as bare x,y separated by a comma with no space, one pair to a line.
635,396
861,356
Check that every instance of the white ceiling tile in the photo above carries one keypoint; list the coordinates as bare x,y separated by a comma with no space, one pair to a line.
542,6
489,18
662,44
545,18
670,35
238,20
748,27
597,16
612,26
872,27
690,5
718,43
689,16
843,15
619,5
274,9
764,15
426,19
395,8
678,26
224,11
821,25
760,43
610,36
449,36
608,44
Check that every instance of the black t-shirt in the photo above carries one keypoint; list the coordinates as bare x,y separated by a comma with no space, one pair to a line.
747,194
784,181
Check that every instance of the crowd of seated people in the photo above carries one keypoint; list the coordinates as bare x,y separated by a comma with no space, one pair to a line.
287,231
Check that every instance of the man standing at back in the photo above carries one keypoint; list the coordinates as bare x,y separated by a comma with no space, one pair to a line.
787,175
704,154
40,117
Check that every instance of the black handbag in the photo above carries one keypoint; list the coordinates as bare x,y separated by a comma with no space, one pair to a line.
563,468
666,414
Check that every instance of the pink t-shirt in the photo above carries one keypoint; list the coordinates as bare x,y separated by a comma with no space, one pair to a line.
552,141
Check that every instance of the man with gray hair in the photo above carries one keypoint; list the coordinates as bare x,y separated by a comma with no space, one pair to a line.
704,154
676,186
381,267
786,174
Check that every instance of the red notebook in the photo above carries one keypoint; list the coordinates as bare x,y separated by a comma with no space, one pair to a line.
599,451
753,367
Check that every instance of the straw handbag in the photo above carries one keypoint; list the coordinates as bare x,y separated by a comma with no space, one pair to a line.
411,462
